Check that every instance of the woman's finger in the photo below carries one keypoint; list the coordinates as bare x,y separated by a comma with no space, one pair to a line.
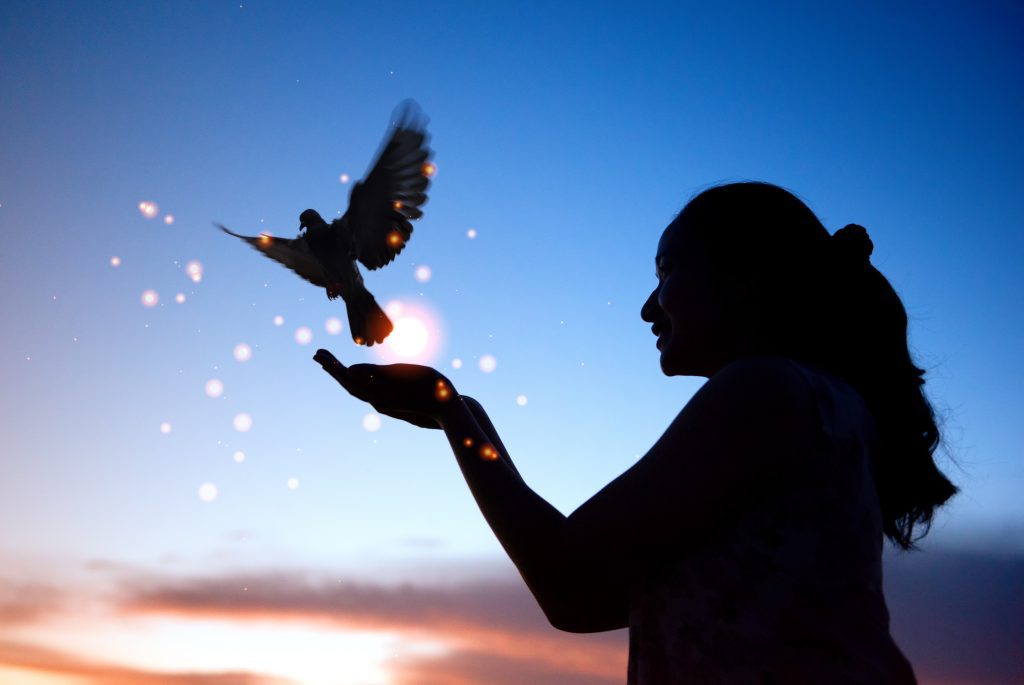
334,367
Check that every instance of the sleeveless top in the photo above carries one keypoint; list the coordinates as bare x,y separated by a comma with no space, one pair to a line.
792,592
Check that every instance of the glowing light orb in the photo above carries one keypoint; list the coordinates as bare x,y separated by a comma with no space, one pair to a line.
397,204
371,422
333,325
423,273
416,337
410,337
428,169
115,261
214,388
456,363
395,239
488,453
168,219
242,423
194,270
148,209
467,442
279,320
165,428
239,456
180,298
442,391
303,335
265,240
471,233
521,400
488,363
150,298
293,483
242,352
343,178
207,492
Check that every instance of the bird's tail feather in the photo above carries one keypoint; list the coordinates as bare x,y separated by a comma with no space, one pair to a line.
367,321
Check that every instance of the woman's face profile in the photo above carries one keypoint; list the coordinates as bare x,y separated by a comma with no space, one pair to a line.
685,309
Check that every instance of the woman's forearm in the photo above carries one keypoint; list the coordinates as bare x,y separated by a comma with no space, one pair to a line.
523,521
532,532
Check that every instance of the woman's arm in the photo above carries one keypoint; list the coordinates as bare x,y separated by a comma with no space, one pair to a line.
573,593
748,433
745,435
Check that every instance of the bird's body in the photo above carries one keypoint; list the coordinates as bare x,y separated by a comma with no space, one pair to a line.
372,231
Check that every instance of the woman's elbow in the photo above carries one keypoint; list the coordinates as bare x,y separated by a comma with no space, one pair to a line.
585,613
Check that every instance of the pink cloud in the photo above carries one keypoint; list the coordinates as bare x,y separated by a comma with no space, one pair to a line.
89,672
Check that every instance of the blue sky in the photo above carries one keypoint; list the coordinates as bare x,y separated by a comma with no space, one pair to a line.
567,137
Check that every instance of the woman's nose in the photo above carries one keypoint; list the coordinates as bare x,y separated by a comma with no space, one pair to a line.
650,309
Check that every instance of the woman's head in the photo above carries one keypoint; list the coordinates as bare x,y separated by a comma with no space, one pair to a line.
743,257
747,268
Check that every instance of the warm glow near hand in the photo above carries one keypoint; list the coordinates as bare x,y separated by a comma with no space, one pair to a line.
415,338
410,337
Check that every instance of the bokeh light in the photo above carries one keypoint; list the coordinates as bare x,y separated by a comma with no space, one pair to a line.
343,178
168,219
303,335
214,388
242,422
423,273
371,422
115,261
207,492
471,233
238,456
456,363
180,298
428,169
333,325
242,352
488,363
150,298
165,428
194,269
521,400
148,209
293,483
278,320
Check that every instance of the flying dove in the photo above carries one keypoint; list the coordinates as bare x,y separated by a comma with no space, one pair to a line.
373,230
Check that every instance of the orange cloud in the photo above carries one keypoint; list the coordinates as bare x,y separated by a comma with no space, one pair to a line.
52,662
497,618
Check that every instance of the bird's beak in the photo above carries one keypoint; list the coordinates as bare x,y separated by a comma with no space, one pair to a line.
302,226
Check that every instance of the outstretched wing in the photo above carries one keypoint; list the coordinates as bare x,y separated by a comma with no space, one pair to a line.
295,254
382,205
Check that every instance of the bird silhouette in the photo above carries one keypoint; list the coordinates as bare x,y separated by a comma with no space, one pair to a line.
374,229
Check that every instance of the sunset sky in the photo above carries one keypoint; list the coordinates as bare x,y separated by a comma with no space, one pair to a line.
187,499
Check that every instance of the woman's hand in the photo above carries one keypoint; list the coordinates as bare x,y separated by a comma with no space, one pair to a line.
417,394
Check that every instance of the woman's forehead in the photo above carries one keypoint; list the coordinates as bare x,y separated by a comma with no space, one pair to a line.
677,239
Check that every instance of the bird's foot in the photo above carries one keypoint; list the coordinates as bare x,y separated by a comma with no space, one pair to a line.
333,291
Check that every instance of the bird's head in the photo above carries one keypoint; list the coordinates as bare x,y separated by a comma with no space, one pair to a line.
311,219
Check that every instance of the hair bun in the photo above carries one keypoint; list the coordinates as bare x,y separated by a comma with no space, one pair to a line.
852,244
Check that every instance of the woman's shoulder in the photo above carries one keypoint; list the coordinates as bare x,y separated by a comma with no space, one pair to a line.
757,383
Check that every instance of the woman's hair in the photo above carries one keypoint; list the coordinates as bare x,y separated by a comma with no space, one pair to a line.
815,297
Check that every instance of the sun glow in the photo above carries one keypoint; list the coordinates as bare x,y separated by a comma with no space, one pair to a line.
415,338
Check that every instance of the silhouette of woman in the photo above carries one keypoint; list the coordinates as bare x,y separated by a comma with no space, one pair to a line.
745,546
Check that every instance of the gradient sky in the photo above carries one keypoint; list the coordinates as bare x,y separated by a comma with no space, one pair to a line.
567,136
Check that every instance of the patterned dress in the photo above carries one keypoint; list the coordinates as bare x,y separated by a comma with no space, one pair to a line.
793,594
